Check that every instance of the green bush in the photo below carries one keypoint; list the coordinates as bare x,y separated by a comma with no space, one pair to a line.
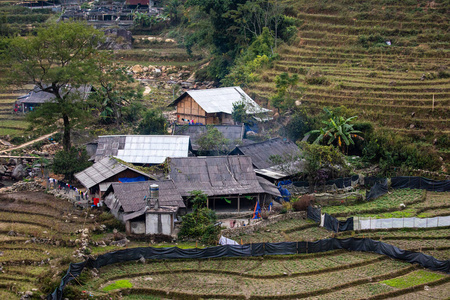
71,162
200,224
396,152
111,222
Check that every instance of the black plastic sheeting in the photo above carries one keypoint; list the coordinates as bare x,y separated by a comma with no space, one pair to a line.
259,249
333,224
313,214
379,189
409,182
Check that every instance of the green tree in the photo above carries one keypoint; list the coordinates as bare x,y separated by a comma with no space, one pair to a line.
58,59
212,141
286,87
115,94
153,122
338,130
323,162
70,162
200,224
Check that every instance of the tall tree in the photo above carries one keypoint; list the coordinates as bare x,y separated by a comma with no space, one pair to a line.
60,58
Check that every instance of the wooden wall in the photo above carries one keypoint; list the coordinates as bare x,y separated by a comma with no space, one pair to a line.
188,109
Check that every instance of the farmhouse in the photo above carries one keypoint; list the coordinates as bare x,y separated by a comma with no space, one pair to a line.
262,155
142,149
213,106
229,181
37,97
233,133
97,178
145,207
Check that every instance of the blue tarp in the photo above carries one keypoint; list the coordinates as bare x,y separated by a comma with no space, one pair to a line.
285,194
135,179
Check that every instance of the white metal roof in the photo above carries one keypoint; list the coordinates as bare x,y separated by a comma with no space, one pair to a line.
101,171
222,100
143,149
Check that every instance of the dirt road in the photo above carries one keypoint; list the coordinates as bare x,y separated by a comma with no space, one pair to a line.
29,143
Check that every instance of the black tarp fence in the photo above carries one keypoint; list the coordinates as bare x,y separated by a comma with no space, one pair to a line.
313,213
378,189
403,182
329,222
333,224
258,249
410,182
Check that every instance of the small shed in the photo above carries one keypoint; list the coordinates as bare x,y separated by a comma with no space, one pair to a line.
262,152
97,178
142,149
229,181
154,220
37,97
233,133
130,197
213,106
142,212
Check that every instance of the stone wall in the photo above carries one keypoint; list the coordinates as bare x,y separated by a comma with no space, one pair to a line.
249,229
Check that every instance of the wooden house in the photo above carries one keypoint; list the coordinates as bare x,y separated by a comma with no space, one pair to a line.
213,106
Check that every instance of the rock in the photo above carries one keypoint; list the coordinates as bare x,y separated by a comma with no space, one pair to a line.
411,126
12,233
120,243
18,172
142,259
117,39
137,69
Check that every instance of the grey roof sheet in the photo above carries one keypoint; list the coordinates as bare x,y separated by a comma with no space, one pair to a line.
131,194
142,149
222,100
37,96
233,133
101,171
261,152
269,187
214,175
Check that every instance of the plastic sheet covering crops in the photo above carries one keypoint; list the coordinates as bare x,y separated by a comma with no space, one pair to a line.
369,223
259,249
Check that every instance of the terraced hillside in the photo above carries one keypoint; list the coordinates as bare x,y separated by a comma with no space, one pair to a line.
11,123
404,86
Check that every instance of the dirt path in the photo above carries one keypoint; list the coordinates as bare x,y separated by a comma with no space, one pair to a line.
29,143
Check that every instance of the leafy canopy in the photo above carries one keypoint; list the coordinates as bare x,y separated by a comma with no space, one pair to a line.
70,162
338,130
212,141
58,59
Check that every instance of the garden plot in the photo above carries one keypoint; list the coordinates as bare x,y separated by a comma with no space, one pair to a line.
386,203
221,284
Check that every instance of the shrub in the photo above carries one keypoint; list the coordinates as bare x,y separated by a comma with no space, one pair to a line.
70,162
111,222
302,203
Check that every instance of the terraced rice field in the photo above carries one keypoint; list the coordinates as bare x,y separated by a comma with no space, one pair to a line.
37,234
13,124
381,83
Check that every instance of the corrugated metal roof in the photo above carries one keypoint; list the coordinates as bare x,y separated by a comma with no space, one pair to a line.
261,152
233,133
269,187
131,194
37,96
215,175
101,171
142,149
222,100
